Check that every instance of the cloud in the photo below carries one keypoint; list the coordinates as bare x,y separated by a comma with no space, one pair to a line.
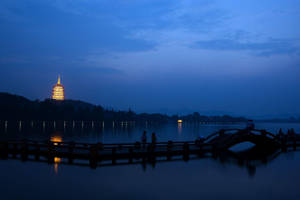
101,70
267,48
8,60
36,29
198,15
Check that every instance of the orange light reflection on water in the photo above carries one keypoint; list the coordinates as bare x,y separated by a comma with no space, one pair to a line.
57,160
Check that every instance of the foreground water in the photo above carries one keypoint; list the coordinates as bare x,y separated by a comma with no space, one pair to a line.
278,178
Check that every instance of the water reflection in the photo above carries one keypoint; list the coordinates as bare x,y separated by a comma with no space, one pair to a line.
179,128
56,140
250,159
223,176
115,132
57,160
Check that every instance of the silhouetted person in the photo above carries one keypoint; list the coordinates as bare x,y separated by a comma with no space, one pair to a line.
280,133
144,138
153,137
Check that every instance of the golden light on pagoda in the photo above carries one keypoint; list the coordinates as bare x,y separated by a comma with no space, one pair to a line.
58,91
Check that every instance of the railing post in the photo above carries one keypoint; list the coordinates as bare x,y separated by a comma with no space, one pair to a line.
283,144
169,150
15,150
70,151
113,153
144,164
150,151
199,145
137,145
100,147
294,143
120,147
37,151
130,155
280,134
214,151
153,160
50,152
93,156
24,150
221,132
186,151
4,150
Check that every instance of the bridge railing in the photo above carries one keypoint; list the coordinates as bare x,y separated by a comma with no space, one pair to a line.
240,131
30,144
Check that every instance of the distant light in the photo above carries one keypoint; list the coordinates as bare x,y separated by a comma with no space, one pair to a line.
179,121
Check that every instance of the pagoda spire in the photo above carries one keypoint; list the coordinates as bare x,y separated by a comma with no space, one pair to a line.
58,81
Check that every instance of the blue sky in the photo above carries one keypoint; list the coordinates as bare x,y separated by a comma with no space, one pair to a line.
212,56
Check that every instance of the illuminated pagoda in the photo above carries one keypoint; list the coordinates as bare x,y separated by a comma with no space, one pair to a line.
58,91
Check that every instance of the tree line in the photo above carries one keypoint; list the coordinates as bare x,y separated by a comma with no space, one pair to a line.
14,107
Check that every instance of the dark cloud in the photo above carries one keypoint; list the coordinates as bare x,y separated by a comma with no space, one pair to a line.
270,47
98,70
48,31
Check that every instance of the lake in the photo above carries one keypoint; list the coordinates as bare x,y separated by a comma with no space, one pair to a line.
205,178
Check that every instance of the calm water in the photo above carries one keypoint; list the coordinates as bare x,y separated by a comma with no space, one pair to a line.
195,179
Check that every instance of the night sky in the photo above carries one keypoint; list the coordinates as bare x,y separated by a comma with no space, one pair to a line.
171,56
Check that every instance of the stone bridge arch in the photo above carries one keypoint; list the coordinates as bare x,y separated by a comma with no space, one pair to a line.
224,140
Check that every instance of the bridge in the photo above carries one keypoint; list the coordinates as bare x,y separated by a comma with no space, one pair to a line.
224,139
129,153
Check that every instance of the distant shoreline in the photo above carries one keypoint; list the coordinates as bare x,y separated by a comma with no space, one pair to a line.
15,107
277,121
